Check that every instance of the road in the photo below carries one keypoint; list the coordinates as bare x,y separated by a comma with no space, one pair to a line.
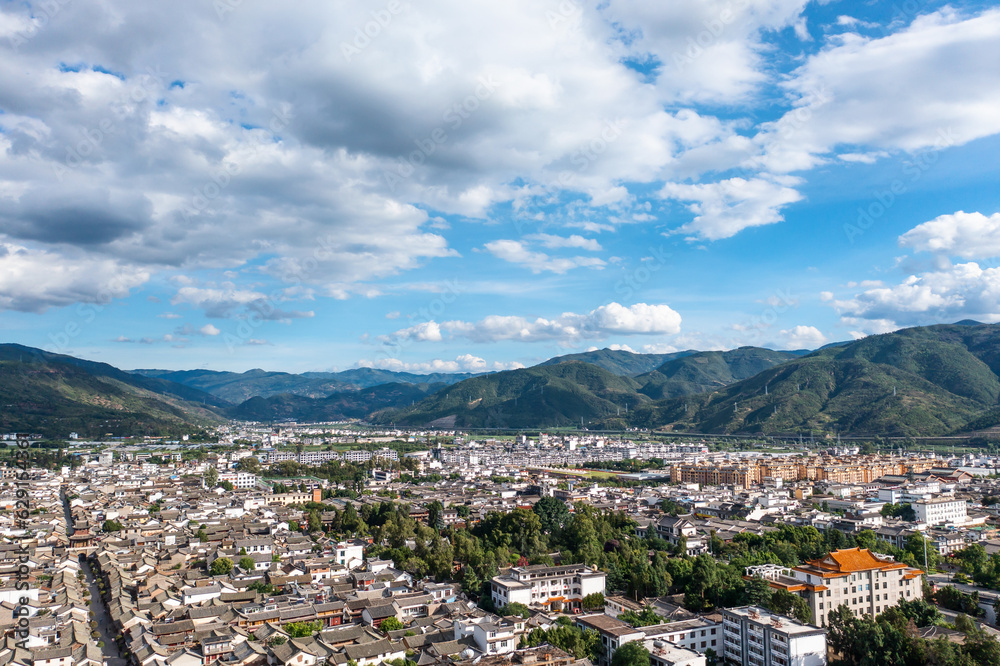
986,596
104,625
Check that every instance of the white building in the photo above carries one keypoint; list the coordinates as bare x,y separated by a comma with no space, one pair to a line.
559,588
351,553
754,636
240,480
493,634
867,583
941,511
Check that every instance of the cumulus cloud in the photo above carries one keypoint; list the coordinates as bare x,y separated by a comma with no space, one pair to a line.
462,363
961,234
606,320
897,92
962,291
801,337
725,208
229,301
33,280
516,252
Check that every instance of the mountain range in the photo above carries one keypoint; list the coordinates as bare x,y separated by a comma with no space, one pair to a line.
919,381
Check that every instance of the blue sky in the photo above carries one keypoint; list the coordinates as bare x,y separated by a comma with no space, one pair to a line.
474,186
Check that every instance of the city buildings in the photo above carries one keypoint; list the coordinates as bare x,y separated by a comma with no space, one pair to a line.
941,511
556,588
754,636
866,582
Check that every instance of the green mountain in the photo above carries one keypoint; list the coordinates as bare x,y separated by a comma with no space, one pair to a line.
619,361
919,381
335,407
708,371
541,396
54,394
237,387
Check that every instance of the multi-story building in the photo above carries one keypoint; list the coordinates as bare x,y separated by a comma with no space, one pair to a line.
674,529
351,553
753,636
699,634
941,511
559,588
866,582
713,475
240,480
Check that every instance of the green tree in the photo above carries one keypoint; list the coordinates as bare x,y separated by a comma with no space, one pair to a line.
705,578
111,526
211,477
758,592
391,624
249,464
247,563
435,514
518,609
552,513
592,601
221,566
644,618
631,654
302,629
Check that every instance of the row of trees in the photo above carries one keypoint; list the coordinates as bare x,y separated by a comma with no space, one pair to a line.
893,638
984,569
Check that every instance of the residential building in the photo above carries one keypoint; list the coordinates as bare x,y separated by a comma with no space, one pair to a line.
558,588
754,636
941,511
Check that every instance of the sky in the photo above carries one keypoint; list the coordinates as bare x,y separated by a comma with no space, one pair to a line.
460,185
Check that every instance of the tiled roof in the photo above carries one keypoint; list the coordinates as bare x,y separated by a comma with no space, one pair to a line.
853,559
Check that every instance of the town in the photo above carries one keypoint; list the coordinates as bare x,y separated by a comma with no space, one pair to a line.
310,544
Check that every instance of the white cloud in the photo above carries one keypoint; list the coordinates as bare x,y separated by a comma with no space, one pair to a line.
962,291
33,280
801,337
208,329
614,347
897,92
725,208
516,252
229,301
574,241
429,331
961,234
606,320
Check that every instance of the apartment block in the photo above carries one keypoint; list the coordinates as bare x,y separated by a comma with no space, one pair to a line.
941,511
753,636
